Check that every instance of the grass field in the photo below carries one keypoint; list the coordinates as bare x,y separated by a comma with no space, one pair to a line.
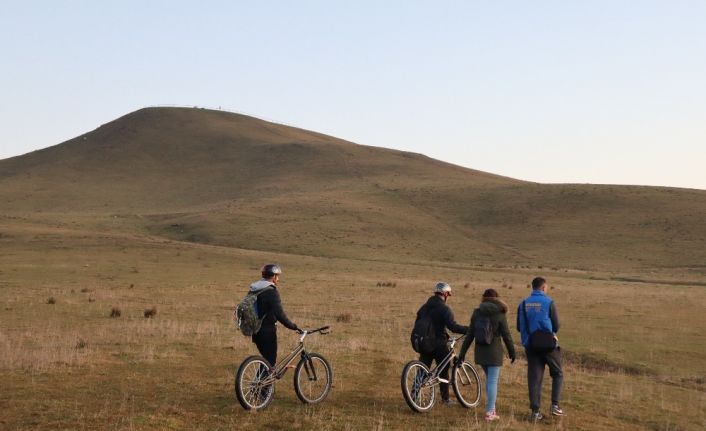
635,352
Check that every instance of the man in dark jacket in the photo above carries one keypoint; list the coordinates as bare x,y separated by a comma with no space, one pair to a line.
269,308
538,313
441,318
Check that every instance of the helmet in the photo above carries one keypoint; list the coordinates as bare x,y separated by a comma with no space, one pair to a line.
270,270
442,287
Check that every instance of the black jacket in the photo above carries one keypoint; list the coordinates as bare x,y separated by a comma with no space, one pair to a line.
269,305
441,318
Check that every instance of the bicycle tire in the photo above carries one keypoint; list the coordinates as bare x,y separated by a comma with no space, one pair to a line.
466,384
249,392
304,386
419,398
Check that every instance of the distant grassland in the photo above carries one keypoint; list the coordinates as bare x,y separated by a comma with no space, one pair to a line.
635,352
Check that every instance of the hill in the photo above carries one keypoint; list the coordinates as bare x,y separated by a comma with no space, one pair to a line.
220,178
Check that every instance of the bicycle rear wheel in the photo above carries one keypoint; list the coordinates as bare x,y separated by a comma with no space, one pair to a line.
466,384
253,386
312,379
418,392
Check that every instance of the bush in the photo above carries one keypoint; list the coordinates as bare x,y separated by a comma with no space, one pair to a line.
51,300
344,317
81,343
150,312
91,299
115,312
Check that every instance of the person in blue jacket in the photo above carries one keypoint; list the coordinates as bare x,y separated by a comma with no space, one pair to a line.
538,313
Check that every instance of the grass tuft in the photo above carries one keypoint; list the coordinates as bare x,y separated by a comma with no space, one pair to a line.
150,312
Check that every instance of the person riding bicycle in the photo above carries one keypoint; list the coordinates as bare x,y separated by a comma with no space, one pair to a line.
441,318
269,308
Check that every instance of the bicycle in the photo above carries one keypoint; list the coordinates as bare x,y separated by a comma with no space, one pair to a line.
419,383
256,378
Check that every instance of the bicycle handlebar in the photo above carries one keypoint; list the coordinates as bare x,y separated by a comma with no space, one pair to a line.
323,330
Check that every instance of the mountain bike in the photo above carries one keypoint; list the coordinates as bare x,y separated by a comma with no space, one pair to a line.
419,382
256,378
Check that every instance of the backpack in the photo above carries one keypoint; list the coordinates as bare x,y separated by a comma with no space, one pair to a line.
246,314
423,337
483,330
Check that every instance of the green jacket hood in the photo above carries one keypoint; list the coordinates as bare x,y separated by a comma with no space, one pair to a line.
492,306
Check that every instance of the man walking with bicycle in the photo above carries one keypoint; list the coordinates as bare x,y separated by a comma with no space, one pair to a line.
538,323
270,310
437,316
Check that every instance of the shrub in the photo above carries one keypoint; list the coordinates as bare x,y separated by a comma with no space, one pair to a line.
91,299
150,312
467,285
344,317
51,300
115,312
85,290
81,343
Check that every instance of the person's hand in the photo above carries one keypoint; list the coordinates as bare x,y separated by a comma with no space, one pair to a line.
512,358
299,331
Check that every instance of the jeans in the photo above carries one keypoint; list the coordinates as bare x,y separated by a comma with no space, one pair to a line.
492,374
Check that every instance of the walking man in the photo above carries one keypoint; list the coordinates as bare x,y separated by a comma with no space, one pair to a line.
538,324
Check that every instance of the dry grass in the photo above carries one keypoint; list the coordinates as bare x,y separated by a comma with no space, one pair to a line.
176,371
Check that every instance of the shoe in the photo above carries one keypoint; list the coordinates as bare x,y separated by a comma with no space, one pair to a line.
536,416
491,416
556,410
449,402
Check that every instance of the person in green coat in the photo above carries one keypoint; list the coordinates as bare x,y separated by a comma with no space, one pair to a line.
488,326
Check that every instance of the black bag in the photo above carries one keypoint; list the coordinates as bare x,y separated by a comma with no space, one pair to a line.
539,341
423,338
483,330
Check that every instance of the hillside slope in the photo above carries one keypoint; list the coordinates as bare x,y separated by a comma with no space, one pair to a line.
228,179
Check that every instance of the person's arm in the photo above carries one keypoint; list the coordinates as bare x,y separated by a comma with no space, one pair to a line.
507,338
468,340
517,320
554,318
279,313
450,323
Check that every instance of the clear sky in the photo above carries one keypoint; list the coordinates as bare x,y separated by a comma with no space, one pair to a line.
551,91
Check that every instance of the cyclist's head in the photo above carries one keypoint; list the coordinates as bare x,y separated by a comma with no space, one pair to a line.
538,283
442,289
271,271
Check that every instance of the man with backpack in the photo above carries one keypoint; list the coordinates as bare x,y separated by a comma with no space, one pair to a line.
269,310
538,324
429,337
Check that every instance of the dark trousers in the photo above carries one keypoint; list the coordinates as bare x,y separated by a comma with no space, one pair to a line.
438,355
266,342
535,374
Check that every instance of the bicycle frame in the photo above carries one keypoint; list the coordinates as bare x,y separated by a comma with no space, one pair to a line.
281,367
433,378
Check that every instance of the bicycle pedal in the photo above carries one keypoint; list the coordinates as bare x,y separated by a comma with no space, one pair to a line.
443,380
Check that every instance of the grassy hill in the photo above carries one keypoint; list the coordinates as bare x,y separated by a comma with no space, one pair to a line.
221,178
176,209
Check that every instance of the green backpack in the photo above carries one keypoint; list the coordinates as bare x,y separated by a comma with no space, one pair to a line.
246,313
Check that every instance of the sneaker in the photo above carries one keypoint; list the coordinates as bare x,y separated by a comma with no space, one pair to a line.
536,416
449,402
491,416
556,410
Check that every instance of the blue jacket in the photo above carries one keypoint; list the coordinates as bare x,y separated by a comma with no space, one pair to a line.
541,316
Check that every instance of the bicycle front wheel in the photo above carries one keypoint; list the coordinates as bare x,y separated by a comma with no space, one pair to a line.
312,379
254,387
466,384
417,389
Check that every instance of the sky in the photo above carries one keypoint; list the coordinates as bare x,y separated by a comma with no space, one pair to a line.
610,92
